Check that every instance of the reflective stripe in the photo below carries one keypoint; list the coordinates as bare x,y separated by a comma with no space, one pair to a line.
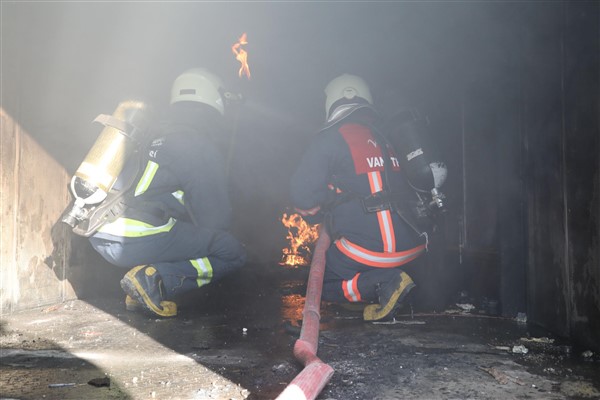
386,228
375,181
350,289
179,196
204,270
387,231
126,227
377,259
146,178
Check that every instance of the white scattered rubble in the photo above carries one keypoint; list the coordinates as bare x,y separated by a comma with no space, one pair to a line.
520,349
521,318
587,354
466,306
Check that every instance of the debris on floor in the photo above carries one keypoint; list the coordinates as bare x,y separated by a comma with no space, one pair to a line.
238,344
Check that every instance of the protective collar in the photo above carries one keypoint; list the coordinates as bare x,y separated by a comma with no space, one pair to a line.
344,111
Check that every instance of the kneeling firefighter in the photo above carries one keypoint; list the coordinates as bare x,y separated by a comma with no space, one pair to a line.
351,180
168,215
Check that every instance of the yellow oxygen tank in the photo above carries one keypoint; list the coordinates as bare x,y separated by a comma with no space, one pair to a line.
105,160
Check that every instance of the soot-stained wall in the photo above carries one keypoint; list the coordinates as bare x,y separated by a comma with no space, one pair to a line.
560,113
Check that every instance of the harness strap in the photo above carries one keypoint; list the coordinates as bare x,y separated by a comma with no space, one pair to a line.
375,258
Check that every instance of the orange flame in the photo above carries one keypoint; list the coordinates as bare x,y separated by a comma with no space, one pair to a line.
242,56
300,235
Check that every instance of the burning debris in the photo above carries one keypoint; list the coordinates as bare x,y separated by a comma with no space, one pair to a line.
241,55
301,236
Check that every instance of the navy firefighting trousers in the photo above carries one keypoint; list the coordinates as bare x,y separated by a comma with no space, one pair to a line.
186,257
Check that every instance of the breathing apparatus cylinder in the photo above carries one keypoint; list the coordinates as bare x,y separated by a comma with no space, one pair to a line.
98,172
408,135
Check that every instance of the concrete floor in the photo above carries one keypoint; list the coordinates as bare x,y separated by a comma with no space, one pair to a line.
234,340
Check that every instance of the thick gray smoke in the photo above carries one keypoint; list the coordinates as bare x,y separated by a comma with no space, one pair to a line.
63,63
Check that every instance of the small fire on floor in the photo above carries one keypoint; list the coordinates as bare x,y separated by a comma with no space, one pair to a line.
301,237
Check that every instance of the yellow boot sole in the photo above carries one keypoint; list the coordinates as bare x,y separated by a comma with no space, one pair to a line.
131,304
137,293
376,312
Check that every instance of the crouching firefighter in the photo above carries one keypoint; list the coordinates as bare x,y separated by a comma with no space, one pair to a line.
167,216
350,179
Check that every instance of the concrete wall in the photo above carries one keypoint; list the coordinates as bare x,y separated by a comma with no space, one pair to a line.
33,250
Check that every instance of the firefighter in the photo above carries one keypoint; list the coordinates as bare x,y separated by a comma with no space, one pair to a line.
174,231
350,180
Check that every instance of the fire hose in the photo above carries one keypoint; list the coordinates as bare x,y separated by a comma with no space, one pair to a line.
315,375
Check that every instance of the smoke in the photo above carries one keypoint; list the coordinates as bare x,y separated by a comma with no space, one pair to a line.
63,63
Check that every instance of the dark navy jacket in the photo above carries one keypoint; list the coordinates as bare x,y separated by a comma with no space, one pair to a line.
346,162
181,177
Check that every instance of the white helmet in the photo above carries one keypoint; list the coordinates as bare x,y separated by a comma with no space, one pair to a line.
201,85
346,87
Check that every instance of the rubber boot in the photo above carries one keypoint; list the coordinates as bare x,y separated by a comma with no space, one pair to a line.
143,284
391,294
131,304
